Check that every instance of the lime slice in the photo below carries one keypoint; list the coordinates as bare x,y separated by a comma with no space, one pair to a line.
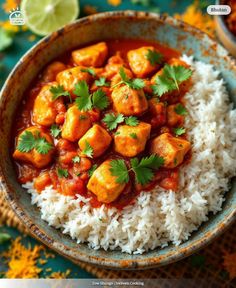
46,16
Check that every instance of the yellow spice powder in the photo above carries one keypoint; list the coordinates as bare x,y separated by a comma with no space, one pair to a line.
114,2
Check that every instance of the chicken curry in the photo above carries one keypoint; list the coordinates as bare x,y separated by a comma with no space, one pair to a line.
105,121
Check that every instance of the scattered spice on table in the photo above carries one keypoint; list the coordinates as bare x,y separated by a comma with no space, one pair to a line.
194,16
114,2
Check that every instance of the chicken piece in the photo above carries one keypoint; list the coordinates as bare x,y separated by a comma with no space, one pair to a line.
69,77
113,66
45,108
104,185
42,181
174,119
33,156
129,101
93,55
98,138
131,140
76,124
51,71
171,148
158,112
139,62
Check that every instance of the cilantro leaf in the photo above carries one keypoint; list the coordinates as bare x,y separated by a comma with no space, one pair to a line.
136,83
88,150
119,169
59,91
100,100
131,121
133,135
88,70
144,169
55,130
6,39
154,57
62,173
4,237
179,131
180,109
92,169
111,120
170,79
26,142
76,159
101,82
42,146
83,99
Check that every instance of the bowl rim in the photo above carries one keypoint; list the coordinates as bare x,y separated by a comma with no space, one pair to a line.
77,255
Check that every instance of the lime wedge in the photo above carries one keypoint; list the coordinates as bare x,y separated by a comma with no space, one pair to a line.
46,16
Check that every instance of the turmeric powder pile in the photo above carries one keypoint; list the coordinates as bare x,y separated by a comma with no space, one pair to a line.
194,16
22,262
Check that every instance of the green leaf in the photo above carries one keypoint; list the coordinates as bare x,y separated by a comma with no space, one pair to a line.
4,237
180,110
26,142
88,150
119,169
131,121
123,75
154,57
144,169
92,169
76,159
55,130
62,173
102,82
42,146
29,141
88,70
132,83
6,39
83,99
59,91
133,135
179,131
170,79
111,120
100,100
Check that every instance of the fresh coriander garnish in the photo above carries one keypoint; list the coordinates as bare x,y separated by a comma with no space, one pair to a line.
119,169
92,169
154,57
85,101
102,82
133,135
100,100
29,141
111,120
88,70
83,117
88,150
59,91
62,173
143,169
131,121
136,83
180,110
170,79
76,159
179,131
55,130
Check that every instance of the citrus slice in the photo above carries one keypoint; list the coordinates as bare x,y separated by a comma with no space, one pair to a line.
46,16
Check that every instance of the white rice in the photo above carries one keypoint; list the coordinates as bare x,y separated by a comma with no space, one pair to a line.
160,217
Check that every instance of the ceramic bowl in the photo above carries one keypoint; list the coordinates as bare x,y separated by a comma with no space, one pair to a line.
227,38
109,25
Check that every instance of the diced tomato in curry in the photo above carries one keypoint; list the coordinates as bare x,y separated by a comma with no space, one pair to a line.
78,158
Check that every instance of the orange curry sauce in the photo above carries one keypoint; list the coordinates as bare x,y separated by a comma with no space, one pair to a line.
66,150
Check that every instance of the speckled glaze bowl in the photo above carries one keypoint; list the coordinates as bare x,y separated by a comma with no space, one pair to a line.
103,26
